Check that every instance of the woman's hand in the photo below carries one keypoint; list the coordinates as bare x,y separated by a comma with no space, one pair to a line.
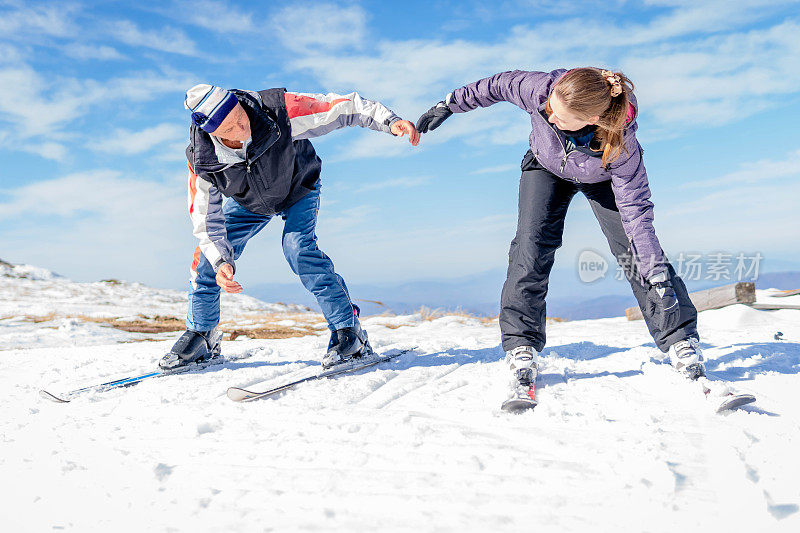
662,298
225,279
433,117
402,127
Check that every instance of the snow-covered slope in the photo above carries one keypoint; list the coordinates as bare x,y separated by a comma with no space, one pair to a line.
618,443
28,290
38,307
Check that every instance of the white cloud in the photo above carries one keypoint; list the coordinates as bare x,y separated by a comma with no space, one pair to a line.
91,52
211,15
48,150
724,79
503,126
694,65
309,26
383,74
128,142
9,54
174,152
497,169
345,220
100,192
423,248
31,113
733,219
43,106
139,86
369,144
101,224
683,20
23,19
170,40
754,172
751,209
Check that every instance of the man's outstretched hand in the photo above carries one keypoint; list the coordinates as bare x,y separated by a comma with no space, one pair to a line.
225,279
402,127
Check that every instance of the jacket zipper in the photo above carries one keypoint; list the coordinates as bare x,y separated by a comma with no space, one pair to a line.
564,161
563,147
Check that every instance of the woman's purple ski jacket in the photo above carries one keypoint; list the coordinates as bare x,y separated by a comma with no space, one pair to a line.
529,91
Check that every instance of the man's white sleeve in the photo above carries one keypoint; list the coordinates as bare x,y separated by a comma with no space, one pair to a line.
313,115
208,221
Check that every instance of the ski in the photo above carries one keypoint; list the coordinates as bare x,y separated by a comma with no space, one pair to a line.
734,401
238,394
127,381
730,401
523,395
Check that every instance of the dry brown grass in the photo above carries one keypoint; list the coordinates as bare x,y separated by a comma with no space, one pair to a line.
266,326
271,332
36,319
144,324
154,324
256,326
43,318
429,314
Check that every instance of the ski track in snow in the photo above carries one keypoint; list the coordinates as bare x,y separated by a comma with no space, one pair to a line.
619,442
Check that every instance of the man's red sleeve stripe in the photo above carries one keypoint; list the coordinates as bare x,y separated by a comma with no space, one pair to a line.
299,105
192,187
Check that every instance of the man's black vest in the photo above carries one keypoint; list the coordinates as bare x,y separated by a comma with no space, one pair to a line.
278,171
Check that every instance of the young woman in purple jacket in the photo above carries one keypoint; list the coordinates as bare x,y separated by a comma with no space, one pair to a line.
583,139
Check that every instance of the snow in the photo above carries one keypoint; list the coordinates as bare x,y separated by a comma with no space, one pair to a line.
26,290
26,272
42,309
619,441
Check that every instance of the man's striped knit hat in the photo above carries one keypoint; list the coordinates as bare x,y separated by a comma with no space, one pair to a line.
209,105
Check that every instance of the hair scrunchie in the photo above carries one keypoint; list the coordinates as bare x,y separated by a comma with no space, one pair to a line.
614,81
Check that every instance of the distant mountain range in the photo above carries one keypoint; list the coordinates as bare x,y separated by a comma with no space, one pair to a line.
480,294
779,280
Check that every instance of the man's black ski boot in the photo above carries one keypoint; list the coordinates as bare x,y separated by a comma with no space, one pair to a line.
347,343
193,347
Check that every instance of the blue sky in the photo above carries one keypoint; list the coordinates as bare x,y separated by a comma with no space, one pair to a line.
92,127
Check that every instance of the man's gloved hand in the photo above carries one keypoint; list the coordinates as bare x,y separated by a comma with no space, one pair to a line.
433,117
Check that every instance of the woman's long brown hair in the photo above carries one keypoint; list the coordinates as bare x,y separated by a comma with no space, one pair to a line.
587,93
